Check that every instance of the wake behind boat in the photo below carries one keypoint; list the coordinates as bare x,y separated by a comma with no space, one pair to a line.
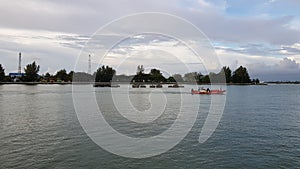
208,91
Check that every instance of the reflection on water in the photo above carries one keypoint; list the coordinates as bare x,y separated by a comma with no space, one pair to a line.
124,110
259,129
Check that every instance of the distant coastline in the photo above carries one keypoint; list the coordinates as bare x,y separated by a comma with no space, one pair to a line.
105,83
284,82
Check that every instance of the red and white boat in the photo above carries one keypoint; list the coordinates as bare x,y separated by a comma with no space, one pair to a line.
218,91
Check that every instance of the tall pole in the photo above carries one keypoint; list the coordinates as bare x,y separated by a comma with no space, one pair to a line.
90,65
19,68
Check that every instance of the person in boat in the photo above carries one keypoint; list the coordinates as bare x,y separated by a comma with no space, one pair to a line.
208,90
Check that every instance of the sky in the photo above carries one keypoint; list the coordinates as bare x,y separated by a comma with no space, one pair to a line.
263,35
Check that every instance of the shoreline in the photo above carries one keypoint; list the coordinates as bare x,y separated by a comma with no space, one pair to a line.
116,83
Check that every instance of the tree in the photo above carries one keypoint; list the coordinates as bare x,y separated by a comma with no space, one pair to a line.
224,76
83,77
8,79
206,79
2,73
193,77
47,75
171,79
226,70
105,74
70,75
255,81
198,77
140,69
240,75
31,72
190,77
178,77
156,76
62,75
140,75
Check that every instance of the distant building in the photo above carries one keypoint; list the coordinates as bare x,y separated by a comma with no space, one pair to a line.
16,76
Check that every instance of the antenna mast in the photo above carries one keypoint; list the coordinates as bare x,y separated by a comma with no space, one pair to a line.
90,65
19,67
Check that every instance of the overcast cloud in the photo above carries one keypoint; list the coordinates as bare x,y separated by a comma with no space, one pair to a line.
263,35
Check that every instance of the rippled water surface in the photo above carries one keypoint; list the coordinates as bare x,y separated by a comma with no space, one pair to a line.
260,128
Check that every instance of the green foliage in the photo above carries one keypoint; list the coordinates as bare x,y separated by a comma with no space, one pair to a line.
63,76
82,77
47,75
142,77
255,81
171,79
156,76
2,74
70,75
226,70
240,75
193,77
198,77
190,77
8,79
206,79
105,74
140,70
31,72
178,77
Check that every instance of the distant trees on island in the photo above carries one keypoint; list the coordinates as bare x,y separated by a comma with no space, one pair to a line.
108,74
154,76
31,72
240,75
105,74
2,74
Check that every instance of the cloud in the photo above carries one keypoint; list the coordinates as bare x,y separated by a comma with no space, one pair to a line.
53,32
85,17
82,16
289,64
151,51
250,30
45,47
285,69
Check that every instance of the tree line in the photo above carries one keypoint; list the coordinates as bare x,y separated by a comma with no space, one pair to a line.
240,75
107,74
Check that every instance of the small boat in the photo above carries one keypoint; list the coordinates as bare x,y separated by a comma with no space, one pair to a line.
175,86
152,86
135,86
99,84
158,86
218,91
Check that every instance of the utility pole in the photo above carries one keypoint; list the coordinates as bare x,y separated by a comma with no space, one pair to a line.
90,65
19,68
